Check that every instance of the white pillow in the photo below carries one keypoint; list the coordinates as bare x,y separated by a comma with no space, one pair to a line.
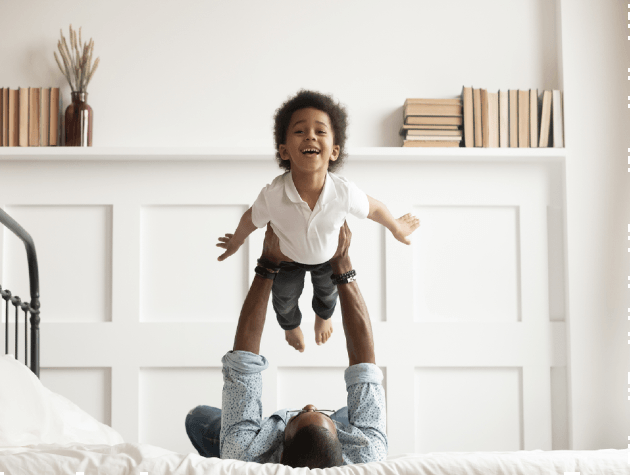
32,414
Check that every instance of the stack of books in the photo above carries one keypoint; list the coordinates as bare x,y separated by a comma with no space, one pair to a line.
512,118
31,117
432,123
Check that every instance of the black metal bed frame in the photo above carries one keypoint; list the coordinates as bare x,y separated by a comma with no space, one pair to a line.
31,307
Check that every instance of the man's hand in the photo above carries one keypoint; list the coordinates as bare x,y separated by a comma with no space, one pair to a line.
271,247
230,245
340,261
405,225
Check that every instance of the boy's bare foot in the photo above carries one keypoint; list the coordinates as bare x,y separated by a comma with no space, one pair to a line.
295,338
323,330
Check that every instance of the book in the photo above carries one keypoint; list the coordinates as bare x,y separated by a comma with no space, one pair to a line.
533,118
504,119
557,119
433,109
14,117
454,102
44,116
523,118
477,117
429,138
545,119
485,142
54,132
457,133
33,116
4,117
513,106
428,127
430,143
23,120
493,119
417,120
467,104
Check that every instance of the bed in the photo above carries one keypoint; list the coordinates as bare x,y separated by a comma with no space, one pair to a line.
43,432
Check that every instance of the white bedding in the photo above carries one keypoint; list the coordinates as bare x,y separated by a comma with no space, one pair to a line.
43,433
125,459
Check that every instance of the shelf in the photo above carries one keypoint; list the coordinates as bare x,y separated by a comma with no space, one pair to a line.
454,154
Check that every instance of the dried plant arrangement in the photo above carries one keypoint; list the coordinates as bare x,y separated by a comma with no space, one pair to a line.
77,61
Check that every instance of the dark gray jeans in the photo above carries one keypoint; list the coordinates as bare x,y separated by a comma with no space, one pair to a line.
288,286
203,426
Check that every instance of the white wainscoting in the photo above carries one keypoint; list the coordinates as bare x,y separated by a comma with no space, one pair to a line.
468,321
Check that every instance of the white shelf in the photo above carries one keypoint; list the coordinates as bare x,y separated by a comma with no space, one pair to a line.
456,154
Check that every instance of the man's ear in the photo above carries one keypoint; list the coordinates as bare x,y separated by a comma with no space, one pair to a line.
284,153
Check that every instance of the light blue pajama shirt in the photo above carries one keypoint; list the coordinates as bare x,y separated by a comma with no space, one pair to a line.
246,436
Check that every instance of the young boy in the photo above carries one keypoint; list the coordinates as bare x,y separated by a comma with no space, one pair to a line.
306,207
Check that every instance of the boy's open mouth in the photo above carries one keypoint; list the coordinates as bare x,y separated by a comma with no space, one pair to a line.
310,151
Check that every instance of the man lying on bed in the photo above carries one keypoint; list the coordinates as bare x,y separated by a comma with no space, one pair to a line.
308,438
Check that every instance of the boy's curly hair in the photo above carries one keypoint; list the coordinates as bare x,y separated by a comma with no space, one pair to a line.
303,99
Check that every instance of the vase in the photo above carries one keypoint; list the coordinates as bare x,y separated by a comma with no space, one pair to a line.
79,119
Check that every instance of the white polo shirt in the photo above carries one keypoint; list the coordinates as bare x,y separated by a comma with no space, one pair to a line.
308,237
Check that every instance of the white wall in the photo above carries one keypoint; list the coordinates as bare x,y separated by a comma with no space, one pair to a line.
596,55
212,73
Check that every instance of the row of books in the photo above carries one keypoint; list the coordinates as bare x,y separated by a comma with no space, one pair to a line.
31,117
512,118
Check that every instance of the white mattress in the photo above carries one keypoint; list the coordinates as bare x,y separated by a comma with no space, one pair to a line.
125,459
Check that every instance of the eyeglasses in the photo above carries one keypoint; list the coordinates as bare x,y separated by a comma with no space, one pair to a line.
297,412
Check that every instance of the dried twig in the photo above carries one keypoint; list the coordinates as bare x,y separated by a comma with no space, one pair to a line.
77,60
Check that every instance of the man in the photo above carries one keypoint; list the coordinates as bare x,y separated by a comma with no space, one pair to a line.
307,437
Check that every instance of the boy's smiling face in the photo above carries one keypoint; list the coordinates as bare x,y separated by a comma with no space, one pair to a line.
310,141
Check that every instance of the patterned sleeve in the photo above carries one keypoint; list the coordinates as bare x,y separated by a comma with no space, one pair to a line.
358,200
241,414
260,210
366,411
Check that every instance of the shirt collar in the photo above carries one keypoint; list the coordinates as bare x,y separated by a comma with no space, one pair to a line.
329,193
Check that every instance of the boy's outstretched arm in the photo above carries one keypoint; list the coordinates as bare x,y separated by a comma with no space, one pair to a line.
400,228
232,242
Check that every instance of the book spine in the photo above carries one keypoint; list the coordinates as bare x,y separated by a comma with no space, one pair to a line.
14,117
467,102
504,119
523,118
558,126
477,114
513,106
33,116
23,127
533,118
54,117
44,116
485,118
545,119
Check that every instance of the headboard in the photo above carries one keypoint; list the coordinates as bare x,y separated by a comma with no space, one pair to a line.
31,307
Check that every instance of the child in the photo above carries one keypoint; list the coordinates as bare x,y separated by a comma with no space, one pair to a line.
306,206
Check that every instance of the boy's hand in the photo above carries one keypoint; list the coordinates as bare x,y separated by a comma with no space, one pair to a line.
230,245
405,225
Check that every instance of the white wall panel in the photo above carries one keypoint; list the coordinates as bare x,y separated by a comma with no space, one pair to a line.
466,264
323,387
73,245
88,388
167,395
180,279
468,409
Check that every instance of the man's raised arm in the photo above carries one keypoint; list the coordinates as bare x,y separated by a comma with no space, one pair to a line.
356,320
252,319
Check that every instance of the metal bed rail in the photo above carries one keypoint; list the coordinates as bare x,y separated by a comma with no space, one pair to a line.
27,308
